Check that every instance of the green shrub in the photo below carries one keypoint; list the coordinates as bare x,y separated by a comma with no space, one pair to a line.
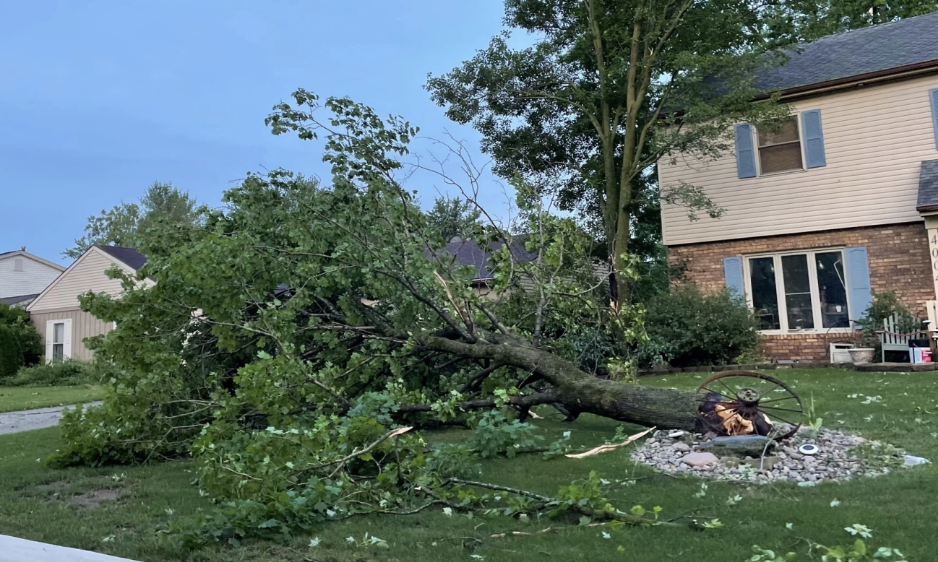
688,328
64,373
19,341
11,352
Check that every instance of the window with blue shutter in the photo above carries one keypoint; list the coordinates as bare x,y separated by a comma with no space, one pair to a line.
813,139
745,152
934,112
733,275
858,281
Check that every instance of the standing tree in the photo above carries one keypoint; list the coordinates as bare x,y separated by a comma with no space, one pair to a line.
123,225
451,217
610,87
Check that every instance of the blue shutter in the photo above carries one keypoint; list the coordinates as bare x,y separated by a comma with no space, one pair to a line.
858,281
733,274
745,153
813,139
934,112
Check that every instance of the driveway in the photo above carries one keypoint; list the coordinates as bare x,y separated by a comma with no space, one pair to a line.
26,420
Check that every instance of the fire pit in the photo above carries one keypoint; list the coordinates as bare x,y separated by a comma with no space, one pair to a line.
750,403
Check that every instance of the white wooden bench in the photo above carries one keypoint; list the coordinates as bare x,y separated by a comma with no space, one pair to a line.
891,340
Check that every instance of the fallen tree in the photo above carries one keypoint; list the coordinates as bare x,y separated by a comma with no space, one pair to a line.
284,342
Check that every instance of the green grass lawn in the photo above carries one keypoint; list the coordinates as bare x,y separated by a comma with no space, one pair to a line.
15,398
58,505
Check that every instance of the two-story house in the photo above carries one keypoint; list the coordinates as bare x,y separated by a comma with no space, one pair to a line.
840,200
23,276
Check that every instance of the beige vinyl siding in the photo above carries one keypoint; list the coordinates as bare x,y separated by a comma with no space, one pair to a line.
84,325
89,274
33,279
875,139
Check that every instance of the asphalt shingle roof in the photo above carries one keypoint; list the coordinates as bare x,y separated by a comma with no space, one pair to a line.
469,253
928,186
129,256
17,299
854,53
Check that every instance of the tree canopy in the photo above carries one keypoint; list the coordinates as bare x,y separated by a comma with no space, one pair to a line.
807,20
162,205
452,216
608,89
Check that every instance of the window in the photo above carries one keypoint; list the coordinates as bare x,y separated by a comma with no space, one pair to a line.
58,342
19,264
799,290
780,146
793,143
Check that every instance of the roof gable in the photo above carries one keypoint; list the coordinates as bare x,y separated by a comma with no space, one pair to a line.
88,273
35,258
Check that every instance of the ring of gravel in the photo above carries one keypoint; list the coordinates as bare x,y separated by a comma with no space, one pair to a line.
833,461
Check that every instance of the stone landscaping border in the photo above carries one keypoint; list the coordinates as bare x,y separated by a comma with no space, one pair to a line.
861,367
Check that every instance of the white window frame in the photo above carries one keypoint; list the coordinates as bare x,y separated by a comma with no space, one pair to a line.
758,158
66,339
19,265
780,290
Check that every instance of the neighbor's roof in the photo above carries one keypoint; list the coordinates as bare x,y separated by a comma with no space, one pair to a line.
895,46
469,253
928,186
128,256
17,299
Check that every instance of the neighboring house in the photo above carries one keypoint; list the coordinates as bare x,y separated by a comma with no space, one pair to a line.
23,276
56,312
841,200
468,253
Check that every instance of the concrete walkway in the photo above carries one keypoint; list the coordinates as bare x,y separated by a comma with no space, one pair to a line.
13,549
26,420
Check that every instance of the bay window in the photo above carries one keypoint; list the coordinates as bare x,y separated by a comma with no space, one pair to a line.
793,291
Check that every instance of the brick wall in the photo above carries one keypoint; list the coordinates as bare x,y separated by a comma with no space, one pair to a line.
898,256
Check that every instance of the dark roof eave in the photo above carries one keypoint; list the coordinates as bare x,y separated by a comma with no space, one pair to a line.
857,79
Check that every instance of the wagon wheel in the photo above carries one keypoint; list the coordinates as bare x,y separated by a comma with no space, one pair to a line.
754,396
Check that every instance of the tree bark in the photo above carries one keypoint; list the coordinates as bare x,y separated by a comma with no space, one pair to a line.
578,391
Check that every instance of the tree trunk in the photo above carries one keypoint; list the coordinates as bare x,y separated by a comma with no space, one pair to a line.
578,391
626,402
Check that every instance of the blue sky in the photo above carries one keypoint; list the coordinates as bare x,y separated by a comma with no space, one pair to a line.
98,99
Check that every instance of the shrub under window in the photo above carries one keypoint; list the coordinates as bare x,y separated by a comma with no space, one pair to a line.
688,328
